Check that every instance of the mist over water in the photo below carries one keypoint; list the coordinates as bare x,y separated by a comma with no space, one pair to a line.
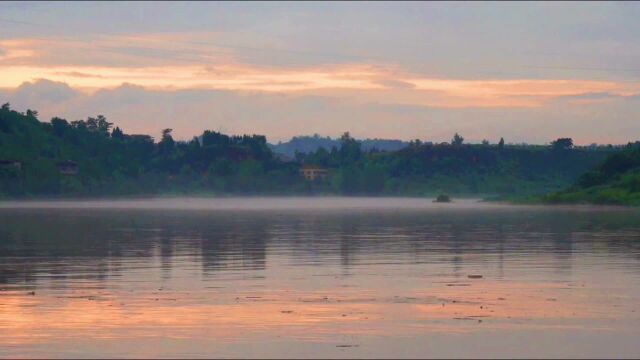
317,277
246,203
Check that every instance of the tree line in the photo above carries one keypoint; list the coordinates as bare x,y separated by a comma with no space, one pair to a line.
112,162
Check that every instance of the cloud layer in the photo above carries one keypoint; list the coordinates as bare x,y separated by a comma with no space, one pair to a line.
411,70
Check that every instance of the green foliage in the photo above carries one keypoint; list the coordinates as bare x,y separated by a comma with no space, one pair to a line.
615,181
425,169
114,163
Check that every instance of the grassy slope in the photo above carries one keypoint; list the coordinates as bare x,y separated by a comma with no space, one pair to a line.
616,181
622,190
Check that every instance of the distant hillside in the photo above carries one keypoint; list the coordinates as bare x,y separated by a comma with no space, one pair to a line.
309,144
615,181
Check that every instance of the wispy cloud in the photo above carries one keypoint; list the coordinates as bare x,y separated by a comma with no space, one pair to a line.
278,69
23,61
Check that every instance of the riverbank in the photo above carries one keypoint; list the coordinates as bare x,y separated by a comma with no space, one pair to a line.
591,196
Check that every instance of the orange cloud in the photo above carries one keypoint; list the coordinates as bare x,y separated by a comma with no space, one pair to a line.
187,61
519,92
184,77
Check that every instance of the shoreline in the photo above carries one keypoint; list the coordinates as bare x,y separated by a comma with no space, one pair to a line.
295,203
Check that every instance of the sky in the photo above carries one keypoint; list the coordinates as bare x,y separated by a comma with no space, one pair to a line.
528,72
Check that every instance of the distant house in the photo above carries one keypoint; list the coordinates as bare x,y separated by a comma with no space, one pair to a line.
310,172
68,167
10,164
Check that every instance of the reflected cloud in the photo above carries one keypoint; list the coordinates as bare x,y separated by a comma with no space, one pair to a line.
216,272
290,313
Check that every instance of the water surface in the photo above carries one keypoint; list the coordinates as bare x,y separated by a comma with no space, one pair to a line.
317,277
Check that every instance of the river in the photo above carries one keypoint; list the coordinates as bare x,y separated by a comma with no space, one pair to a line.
317,277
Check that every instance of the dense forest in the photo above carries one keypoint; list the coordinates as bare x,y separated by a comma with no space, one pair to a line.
457,168
93,158
614,181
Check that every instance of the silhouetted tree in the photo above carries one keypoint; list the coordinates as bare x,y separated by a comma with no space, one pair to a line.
117,133
457,140
166,144
562,144
349,148
60,126
32,113
98,125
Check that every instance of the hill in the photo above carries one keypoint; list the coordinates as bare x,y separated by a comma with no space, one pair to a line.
615,181
308,144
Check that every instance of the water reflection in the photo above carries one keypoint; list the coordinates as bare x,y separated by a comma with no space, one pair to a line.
359,278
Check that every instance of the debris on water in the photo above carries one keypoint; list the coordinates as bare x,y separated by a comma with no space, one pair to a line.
31,293
346,346
286,311
442,198
473,276
552,299
501,298
458,284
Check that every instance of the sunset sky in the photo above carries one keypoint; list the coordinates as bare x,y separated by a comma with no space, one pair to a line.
528,72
